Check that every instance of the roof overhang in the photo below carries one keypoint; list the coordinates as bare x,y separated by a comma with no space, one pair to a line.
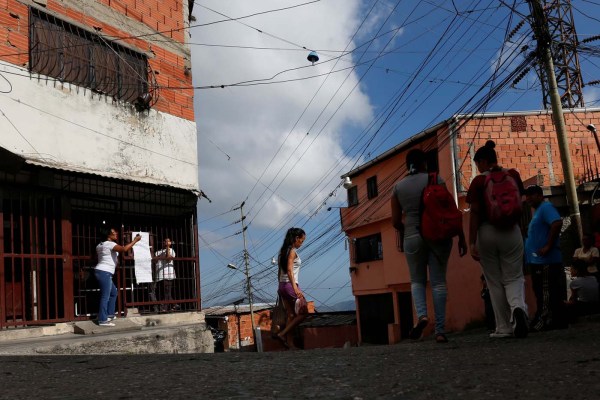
13,163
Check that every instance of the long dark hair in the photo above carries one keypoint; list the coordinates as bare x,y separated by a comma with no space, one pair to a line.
486,153
104,233
290,236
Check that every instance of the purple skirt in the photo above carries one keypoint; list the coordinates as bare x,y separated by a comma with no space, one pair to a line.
286,291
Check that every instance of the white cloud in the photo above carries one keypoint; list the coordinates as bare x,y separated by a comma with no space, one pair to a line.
249,124
591,96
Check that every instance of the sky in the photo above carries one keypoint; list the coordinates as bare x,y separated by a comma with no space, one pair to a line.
276,132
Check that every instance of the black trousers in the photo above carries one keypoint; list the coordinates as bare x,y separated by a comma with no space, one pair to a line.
550,288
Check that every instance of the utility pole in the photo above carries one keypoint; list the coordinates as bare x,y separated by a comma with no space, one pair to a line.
544,40
247,272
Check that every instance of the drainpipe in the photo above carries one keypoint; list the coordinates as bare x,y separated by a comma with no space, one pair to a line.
456,177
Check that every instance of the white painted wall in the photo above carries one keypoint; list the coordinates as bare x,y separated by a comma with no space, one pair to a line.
72,128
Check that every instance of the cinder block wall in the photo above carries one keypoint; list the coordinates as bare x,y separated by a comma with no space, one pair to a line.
153,26
529,144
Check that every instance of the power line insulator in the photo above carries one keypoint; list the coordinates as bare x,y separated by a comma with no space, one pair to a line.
592,83
590,39
515,30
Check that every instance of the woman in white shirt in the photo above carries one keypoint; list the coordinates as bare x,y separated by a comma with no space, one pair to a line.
289,291
108,254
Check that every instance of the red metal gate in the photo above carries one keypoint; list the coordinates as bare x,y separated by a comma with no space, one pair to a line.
32,265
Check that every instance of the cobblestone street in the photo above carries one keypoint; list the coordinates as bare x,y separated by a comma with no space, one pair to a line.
552,365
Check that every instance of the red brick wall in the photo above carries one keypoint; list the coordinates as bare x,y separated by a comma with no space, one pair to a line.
165,16
262,319
523,142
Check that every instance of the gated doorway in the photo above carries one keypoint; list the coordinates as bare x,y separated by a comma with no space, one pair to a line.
33,258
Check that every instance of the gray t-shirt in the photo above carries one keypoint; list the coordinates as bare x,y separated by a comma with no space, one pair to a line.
408,192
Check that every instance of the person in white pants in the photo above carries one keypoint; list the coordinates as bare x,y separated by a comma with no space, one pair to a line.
499,249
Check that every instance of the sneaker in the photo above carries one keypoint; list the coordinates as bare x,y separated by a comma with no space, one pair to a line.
416,333
106,323
500,335
110,319
521,323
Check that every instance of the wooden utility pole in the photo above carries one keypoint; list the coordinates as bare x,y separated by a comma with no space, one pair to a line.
544,49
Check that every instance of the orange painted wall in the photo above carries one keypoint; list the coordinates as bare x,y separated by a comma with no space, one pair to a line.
164,16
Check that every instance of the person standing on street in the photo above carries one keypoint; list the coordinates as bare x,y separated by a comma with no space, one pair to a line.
292,296
108,253
543,255
421,254
496,241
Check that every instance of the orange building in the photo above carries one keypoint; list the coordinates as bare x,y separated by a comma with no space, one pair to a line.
379,273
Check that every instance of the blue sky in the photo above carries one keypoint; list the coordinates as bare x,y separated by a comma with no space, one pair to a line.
281,131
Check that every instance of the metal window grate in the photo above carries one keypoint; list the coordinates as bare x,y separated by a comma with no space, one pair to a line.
71,54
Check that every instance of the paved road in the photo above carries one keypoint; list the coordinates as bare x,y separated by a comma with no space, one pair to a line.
552,365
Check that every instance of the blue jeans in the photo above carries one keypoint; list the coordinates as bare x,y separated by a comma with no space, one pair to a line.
419,255
108,295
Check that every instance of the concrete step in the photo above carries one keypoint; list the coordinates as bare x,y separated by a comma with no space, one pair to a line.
121,325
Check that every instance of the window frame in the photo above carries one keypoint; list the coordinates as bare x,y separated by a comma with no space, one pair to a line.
372,187
72,54
353,196
373,247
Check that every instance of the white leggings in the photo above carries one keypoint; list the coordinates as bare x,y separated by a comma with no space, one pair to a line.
501,255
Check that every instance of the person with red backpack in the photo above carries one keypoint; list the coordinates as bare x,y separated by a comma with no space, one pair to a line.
495,240
425,203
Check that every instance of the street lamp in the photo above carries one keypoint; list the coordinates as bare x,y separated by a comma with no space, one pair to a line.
592,129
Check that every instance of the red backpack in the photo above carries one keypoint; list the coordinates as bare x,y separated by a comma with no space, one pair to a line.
440,218
502,199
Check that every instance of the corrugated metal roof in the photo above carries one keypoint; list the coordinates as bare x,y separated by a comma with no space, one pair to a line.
105,174
218,311
329,319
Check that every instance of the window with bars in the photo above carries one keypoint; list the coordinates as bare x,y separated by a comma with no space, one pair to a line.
74,55
368,248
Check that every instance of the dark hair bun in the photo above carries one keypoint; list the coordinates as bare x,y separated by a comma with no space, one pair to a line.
490,144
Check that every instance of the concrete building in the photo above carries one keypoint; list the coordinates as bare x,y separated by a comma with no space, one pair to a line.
97,129
379,274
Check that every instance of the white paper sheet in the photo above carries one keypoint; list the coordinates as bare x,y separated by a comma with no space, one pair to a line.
142,258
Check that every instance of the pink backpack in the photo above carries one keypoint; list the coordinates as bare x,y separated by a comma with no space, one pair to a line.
502,199
440,218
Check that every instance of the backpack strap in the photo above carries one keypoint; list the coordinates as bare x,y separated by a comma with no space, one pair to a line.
433,179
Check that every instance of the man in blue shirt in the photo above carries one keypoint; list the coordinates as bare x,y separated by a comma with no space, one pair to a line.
543,255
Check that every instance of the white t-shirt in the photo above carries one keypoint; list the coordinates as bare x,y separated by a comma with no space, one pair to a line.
107,258
283,277
164,268
587,256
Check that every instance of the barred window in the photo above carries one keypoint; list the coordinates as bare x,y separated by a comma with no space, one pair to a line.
368,248
71,54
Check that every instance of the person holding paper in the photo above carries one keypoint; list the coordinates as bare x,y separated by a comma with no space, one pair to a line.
108,254
165,272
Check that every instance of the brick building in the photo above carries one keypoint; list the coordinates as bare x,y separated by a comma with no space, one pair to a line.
98,129
379,274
